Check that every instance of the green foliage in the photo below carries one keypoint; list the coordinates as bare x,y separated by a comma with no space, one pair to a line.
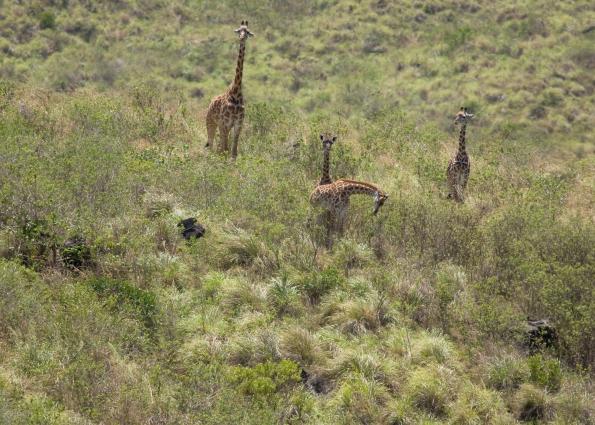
431,389
545,372
532,404
264,379
47,20
283,295
507,373
315,285
118,292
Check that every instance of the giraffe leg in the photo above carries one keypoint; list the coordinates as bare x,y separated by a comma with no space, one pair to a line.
331,227
224,134
211,131
340,220
237,128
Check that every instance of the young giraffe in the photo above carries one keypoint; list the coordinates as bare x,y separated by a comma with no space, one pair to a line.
459,166
327,143
226,111
334,198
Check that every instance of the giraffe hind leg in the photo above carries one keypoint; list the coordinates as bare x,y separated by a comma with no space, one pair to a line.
459,193
211,131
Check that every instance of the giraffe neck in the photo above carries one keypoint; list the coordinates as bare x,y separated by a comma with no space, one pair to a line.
236,86
353,187
326,176
462,137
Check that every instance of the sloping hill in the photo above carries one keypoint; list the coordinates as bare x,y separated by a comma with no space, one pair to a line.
416,316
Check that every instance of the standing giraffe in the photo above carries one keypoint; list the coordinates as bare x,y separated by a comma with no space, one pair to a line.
327,143
334,198
226,111
459,166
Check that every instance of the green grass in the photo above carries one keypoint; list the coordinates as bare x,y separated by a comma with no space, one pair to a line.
416,315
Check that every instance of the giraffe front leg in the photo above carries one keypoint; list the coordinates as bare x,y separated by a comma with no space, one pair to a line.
223,134
237,128
341,218
211,132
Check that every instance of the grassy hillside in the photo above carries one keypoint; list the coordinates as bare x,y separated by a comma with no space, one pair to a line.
415,317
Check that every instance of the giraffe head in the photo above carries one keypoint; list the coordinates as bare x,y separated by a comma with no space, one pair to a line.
327,141
463,116
243,31
379,199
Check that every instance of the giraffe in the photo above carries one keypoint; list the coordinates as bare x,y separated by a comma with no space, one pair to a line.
327,143
226,111
334,198
459,166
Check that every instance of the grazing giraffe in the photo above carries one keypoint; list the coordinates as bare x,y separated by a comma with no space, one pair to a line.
226,111
327,143
459,166
334,198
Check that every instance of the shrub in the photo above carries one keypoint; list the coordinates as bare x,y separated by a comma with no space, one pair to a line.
507,373
283,295
237,295
120,292
431,388
47,20
357,316
432,348
265,379
212,284
545,372
315,285
301,346
361,399
532,404
476,405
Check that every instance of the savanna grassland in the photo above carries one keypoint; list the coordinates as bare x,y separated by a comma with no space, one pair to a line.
416,316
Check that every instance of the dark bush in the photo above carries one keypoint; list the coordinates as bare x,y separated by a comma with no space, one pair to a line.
47,20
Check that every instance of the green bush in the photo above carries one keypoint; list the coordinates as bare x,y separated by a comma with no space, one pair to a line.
532,404
545,372
47,20
315,285
507,373
431,389
265,379
118,292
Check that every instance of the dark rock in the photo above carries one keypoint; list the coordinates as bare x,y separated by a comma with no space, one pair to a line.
432,9
316,384
540,333
191,228
538,113
197,93
493,98
187,223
